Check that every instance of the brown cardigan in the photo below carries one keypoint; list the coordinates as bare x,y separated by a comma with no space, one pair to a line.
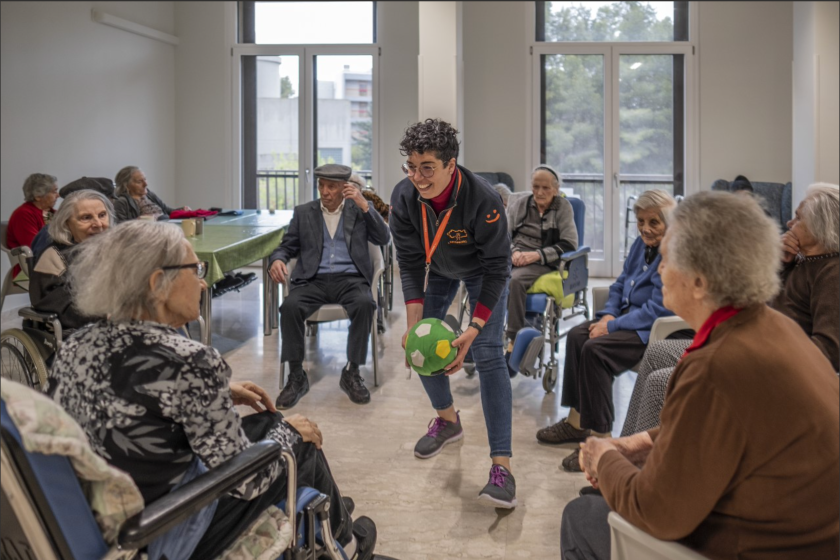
811,296
745,463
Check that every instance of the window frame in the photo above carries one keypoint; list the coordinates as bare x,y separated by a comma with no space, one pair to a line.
612,50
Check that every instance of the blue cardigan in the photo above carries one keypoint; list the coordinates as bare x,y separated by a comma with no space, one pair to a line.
639,288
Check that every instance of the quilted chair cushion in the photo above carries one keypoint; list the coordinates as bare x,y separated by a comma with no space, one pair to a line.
494,177
777,198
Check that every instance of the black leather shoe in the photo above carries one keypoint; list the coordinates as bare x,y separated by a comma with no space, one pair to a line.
353,384
296,386
349,504
246,278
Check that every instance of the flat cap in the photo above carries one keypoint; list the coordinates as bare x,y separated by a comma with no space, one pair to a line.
333,172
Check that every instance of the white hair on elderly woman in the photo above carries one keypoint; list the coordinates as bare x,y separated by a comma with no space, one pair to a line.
37,184
821,214
731,242
58,228
658,199
110,273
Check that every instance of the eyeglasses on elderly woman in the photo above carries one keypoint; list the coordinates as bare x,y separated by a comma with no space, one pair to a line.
200,268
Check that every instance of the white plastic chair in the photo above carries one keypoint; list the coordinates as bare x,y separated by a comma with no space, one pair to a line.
628,542
662,327
334,312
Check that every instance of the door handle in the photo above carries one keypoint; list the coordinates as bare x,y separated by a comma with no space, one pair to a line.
306,172
615,180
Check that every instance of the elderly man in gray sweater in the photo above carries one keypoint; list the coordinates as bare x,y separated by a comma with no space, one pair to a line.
542,227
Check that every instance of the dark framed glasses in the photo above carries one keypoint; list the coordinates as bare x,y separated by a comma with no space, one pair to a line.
200,268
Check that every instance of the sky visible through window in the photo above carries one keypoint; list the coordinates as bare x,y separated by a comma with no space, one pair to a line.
317,23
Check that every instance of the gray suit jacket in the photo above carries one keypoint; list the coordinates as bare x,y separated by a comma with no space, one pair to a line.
304,239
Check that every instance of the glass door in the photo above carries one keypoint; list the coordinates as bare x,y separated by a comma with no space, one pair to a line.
612,121
298,108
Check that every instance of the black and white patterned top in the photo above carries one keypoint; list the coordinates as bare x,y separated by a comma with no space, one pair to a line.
151,400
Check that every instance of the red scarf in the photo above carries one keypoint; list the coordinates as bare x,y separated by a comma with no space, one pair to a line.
720,316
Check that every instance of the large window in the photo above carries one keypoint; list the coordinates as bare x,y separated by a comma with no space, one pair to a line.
611,109
303,105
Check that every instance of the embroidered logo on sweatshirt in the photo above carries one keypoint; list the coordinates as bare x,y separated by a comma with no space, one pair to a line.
457,236
494,217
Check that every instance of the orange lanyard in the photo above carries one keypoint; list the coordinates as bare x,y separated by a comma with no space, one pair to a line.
430,251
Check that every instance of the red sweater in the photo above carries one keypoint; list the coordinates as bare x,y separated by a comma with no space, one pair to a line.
24,224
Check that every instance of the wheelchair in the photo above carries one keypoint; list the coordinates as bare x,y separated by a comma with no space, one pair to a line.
563,297
26,352
46,514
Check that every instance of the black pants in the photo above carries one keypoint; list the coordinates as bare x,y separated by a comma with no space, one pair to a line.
591,365
351,292
585,531
233,516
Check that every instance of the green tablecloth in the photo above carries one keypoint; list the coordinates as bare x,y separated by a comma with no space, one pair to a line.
280,218
230,247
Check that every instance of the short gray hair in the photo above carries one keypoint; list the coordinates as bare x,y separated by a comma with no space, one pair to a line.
555,175
122,179
731,242
58,228
37,184
658,199
821,214
357,180
109,276
503,190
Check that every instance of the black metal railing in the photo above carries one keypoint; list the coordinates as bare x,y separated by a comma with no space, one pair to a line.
279,188
590,188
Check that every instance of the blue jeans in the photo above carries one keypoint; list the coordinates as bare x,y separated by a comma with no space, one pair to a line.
487,351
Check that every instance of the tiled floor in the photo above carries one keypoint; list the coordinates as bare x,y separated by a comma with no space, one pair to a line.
423,509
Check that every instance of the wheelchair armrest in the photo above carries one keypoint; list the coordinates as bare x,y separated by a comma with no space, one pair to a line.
666,326
628,541
571,255
175,507
22,250
600,295
34,315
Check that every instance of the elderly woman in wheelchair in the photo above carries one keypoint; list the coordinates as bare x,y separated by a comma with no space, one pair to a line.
615,341
542,228
160,406
27,352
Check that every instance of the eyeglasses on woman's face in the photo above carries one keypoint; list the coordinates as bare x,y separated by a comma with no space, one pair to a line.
425,170
200,268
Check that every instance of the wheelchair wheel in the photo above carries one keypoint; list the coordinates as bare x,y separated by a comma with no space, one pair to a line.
22,360
550,378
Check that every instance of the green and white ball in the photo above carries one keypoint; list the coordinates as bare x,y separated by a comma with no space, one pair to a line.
428,348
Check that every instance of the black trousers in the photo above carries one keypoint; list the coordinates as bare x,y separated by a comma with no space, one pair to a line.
585,531
591,365
233,515
351,292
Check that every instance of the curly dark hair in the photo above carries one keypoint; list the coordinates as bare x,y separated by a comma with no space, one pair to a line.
431,135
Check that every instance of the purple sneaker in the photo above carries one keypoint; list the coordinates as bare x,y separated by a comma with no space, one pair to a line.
440,433
500,491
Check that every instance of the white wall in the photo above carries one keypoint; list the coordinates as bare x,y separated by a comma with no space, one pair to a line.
816,122
745,53
496,73
438,62
203,131
83,99
80,98
398,86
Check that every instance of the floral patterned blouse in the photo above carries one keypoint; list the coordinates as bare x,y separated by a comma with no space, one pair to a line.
151,400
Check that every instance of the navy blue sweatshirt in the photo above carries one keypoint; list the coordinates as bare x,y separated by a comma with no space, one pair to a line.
475,243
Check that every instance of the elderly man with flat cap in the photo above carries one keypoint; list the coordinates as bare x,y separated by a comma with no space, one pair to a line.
329,237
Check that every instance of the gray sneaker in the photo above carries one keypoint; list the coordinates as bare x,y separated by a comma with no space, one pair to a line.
500,491
440,433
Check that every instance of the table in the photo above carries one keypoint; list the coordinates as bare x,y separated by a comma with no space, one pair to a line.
232,243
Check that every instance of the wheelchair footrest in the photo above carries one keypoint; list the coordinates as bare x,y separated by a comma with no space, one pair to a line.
520,346
532,359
